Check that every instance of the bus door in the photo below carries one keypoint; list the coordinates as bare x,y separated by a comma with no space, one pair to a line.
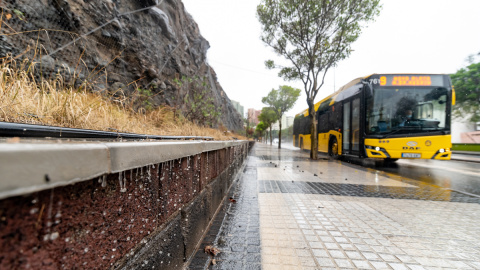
351,126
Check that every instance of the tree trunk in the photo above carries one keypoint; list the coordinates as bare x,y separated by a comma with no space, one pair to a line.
280,134
271,135
313,132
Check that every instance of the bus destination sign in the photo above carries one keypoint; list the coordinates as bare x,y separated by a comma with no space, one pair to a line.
407,80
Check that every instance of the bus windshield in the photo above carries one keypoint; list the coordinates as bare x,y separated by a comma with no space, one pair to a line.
402,110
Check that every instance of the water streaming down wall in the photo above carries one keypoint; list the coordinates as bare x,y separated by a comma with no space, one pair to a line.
146,217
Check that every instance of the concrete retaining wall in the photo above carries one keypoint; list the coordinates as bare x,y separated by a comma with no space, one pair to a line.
148,210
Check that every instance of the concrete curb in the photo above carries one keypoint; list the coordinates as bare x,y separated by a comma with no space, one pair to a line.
470,158
32,167
474,153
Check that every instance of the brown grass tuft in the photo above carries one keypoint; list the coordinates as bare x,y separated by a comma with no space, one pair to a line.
50,102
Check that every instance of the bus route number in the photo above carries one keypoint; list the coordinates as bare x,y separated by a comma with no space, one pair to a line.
382,81
374,81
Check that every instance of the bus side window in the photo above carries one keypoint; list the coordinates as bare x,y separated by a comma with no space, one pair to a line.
306,125
331,118
334,117
323,123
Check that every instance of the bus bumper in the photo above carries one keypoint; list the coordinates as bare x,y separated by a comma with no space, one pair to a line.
428,147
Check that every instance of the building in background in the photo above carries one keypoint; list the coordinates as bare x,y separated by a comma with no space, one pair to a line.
253,116
287,121
238,107
470,137
464,131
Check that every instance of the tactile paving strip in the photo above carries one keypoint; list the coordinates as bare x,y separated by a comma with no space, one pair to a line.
426,192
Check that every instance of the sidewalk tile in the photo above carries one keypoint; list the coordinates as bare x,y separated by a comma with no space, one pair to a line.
325,262
398,266
320,253
342,263
354,255
380,265
337,254
415,267
362,264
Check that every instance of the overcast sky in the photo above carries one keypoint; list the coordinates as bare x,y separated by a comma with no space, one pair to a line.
409,36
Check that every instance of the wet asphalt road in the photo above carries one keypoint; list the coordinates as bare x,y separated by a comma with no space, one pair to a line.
458,175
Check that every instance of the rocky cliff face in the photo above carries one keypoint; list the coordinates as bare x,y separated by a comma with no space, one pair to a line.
126,47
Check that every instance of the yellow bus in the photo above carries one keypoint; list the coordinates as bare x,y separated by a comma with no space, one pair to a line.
386,116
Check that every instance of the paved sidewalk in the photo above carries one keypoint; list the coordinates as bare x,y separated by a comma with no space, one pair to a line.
293,213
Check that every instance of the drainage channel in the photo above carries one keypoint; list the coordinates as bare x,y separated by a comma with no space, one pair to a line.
29,130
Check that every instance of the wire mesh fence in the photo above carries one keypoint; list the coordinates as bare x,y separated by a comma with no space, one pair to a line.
119,47
99,41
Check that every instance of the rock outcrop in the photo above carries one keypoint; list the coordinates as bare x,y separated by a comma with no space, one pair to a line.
119,46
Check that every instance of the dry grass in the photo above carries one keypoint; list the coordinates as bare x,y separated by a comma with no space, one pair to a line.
50,102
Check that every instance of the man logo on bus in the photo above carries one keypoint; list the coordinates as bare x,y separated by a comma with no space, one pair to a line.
411,146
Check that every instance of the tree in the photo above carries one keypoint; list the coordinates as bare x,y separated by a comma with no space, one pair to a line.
313,35
268,117
250,132
260,129
467,90
281,101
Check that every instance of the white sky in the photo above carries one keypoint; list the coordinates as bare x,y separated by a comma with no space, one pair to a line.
409,36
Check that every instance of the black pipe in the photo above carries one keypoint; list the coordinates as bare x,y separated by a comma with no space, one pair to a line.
28,130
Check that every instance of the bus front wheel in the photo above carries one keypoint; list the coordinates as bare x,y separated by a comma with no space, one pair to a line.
301,143
334,148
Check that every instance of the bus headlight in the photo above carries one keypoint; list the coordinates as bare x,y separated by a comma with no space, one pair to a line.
378,149
441,150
